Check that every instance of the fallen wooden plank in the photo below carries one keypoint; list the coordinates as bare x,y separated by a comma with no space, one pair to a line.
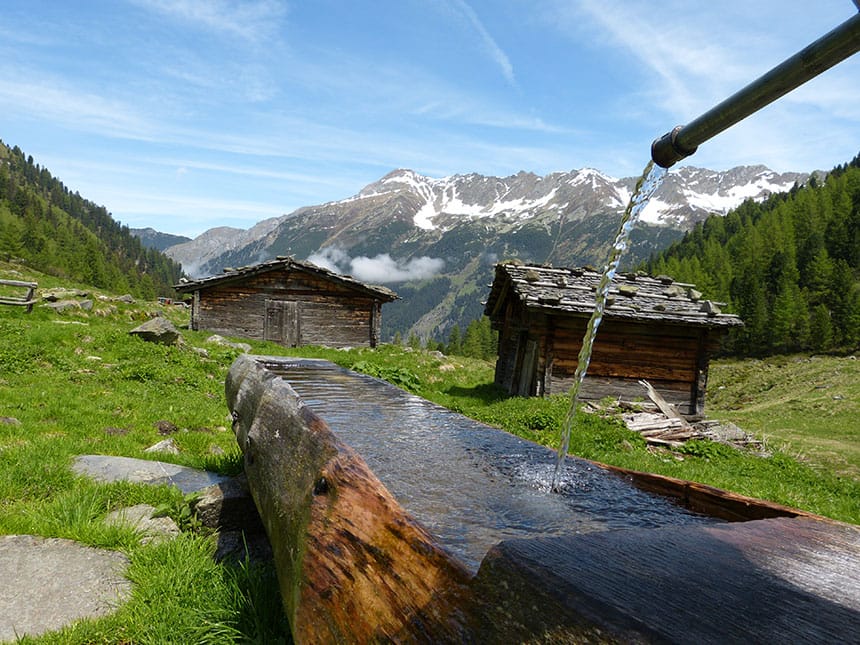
656,441
20,283
17,301
661,403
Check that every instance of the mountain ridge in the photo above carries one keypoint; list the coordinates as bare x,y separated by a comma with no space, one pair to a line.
413,231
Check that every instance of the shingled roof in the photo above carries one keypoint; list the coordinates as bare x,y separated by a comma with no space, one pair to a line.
632,296
233,275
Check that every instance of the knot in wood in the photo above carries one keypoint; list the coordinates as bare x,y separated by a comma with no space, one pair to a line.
321,486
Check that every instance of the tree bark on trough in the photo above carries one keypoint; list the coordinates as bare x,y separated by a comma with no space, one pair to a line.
353,566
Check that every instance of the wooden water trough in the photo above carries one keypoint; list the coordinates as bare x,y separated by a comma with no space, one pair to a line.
355,567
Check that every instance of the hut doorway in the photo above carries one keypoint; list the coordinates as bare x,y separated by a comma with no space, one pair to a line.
282,322
528,365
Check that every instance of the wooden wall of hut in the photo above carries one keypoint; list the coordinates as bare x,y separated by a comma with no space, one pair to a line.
291,308
538,355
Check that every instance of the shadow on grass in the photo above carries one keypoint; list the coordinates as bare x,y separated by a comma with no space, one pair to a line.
485,393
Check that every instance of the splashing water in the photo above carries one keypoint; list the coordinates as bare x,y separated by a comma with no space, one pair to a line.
647,185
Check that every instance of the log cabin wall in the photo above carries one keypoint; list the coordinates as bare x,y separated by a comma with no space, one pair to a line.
672,358
513,334
290,305
667,356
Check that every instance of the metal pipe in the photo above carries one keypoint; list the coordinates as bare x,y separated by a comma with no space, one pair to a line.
821,55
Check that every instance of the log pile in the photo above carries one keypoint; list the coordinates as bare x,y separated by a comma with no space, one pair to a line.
660,424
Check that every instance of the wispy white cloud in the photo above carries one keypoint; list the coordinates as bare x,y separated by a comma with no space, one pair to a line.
490,46
688,65
379,87
681,59
252,20
381,269
51,100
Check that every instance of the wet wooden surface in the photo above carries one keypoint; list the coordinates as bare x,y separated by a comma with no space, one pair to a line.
353,566
784,580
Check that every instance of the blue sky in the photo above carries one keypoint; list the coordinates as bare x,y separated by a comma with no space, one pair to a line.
189,114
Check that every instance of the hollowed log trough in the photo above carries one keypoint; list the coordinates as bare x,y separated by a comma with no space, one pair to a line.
354,567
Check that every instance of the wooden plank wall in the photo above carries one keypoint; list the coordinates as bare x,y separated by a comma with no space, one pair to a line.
662,352
673,358
665,355
328,313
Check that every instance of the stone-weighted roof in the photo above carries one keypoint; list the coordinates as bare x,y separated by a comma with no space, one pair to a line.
632,296
233,275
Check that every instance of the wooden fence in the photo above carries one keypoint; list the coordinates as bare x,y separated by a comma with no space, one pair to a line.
27,300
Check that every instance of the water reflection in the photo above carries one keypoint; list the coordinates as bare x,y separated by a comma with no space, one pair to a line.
469,484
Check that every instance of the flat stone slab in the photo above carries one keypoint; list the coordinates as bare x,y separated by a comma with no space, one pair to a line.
107,468
47,583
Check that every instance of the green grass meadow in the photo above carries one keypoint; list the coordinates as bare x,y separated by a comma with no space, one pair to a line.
77,383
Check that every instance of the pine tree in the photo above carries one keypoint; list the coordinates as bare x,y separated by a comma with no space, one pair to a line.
455,344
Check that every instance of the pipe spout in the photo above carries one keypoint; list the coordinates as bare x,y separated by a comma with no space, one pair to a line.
824,53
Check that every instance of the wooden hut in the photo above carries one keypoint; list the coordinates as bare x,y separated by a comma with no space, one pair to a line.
654,329
289,302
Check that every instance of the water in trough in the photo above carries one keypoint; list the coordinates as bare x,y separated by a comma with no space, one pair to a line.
469,484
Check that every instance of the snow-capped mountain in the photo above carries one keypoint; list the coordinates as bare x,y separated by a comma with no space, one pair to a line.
430,234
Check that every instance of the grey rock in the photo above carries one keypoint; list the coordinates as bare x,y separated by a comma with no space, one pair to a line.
47,583
709,307
9,421
157,330
106,468
127,298
62,305
140,518
228,506
167,445
216,339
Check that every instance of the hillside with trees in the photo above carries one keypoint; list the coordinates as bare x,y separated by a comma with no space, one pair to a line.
51,229
790,266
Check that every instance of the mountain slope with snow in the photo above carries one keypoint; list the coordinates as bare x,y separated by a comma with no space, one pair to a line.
420,232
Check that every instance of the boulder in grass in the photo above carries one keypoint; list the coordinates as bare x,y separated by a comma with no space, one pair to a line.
216,339
167,445
157,330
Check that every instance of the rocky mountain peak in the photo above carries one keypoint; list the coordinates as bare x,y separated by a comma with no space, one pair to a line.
436,239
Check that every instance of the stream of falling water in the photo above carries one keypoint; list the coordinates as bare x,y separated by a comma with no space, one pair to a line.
647,185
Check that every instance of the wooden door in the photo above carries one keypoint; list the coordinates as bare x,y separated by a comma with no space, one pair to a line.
527,369
282,322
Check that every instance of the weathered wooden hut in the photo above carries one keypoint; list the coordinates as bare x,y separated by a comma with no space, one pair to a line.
289,302
654,329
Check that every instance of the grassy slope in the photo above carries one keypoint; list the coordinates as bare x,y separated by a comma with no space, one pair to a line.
807,405
77,383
